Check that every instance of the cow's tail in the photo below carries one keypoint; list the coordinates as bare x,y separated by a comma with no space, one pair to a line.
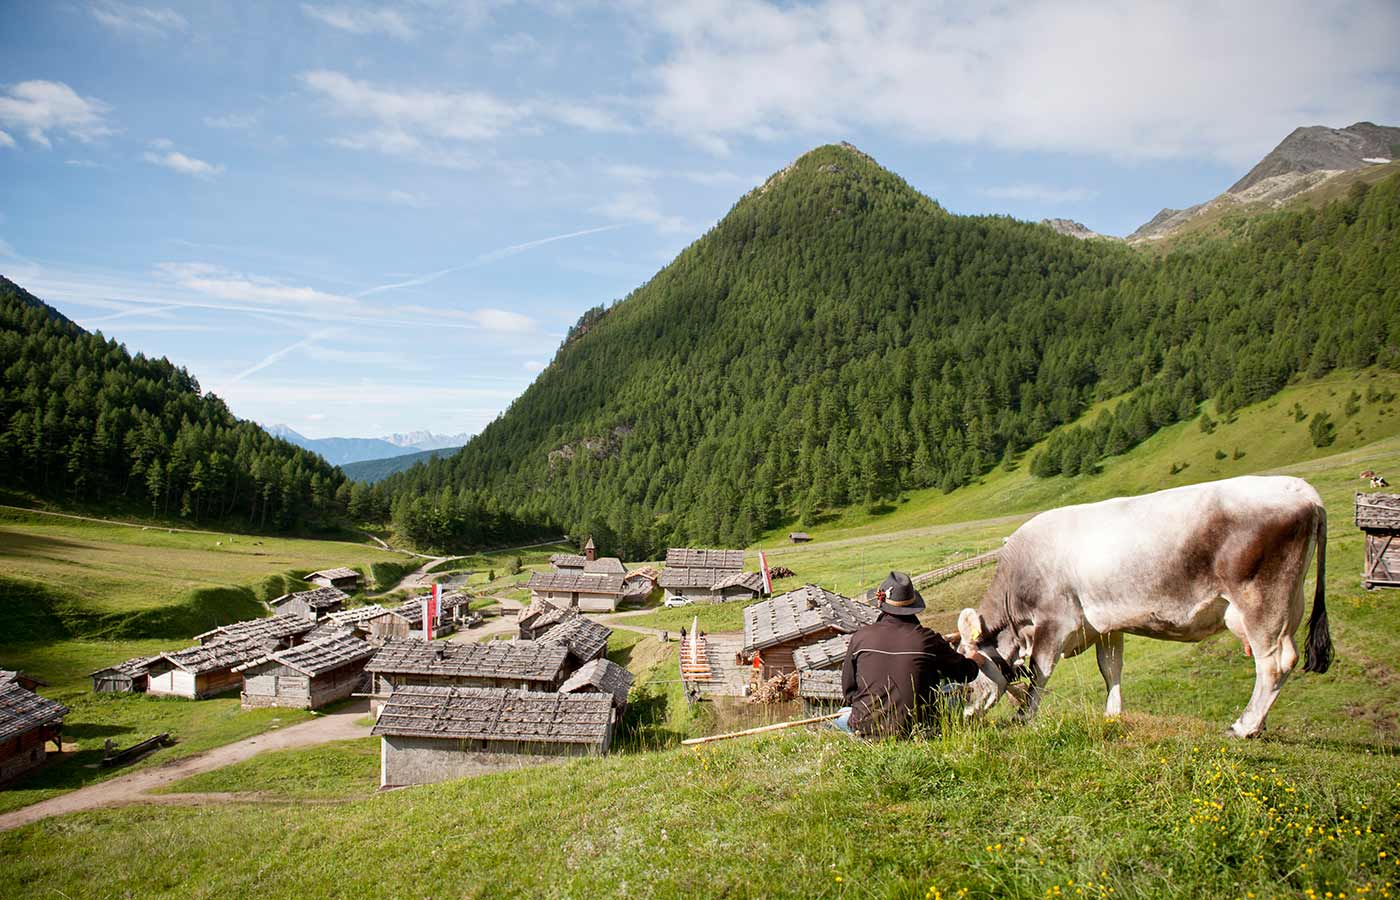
1319,646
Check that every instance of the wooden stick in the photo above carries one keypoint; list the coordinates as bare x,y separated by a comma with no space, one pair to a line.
778,727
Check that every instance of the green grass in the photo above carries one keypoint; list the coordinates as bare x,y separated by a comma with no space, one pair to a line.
339,769
1157,804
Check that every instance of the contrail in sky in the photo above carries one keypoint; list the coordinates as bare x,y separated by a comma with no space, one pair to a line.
278,354
486,258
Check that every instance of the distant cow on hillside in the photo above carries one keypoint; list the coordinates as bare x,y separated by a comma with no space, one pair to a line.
1179,565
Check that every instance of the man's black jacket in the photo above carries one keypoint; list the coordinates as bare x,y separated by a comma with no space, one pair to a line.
892,669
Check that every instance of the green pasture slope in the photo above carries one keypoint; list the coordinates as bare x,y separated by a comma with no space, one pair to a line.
1159,803
79,595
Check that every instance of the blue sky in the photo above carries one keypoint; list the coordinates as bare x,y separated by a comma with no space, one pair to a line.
366,218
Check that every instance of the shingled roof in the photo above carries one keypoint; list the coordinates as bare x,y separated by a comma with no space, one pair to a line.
224,653
567,561
827,654
585,638
320,598
513,660
602,675
570,582
334,574
750,580
693,578
606,565
23,710
317,657
356,615
820,684
412,609
689,558
133,667
271,629
807,610
496,714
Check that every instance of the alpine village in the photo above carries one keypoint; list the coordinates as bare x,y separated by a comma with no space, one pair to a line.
626,636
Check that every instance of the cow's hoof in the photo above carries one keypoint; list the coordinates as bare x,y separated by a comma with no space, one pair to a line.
1235,731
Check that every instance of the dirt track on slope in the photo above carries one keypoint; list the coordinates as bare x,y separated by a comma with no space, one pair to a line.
134,788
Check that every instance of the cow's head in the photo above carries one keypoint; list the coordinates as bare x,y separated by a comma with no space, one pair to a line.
1001,645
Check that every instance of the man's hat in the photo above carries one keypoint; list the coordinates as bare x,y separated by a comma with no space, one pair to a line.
896,596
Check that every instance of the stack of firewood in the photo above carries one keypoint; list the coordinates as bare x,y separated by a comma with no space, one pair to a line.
778,689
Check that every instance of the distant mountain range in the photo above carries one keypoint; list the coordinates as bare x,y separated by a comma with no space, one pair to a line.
1305,161
340,451
371,470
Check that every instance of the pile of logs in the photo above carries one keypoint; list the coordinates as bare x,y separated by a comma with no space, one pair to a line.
778,689
776,572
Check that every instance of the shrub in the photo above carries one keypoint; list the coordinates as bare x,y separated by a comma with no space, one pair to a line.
1322,430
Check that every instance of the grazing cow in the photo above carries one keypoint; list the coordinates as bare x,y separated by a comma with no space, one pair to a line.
1179,565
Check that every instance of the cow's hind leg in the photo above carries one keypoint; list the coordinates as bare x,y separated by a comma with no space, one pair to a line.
1272,663
1110,653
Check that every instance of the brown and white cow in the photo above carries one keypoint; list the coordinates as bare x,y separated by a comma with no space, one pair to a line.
1179,565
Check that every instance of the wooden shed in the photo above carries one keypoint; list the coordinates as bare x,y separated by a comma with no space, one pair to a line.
601,676
595,592
123,678
202,671
308,676
1378,515
528,665
692,574
310,604
386,625
820,691
739,586
23,679
27,722
342,578
540,616
799,537
437,733
776,627
585,639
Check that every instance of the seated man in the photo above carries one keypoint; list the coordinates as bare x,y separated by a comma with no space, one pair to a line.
895,667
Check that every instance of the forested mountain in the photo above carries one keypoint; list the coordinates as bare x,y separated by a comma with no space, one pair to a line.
839,337
85,422
371,470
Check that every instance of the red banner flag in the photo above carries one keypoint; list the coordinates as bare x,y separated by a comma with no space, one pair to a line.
767,578
430,613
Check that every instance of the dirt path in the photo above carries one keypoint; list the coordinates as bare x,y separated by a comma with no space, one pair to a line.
134,788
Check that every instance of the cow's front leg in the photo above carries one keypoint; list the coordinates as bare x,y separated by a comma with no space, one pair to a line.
1042,664
1110,653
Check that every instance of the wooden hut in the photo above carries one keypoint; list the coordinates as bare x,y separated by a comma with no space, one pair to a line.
202,671
692,574
342,578
1378,515
598,592
386,625
776,627
799,537
128,677
273,632
739,586
310,604
27,722
540,616
528,665
23,679
437,733
585,639
454,611
820,691
307,676
601,676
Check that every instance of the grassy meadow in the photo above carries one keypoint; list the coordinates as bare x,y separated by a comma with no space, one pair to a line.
1158,803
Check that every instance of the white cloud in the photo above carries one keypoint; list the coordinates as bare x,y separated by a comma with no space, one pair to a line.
39,108
1039,193
146,20
502,320
232,121
642,206
218,282
361,21
6,140
408,198
534,365
1129,80
162,144
515,45
179,162
432,125
83,164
